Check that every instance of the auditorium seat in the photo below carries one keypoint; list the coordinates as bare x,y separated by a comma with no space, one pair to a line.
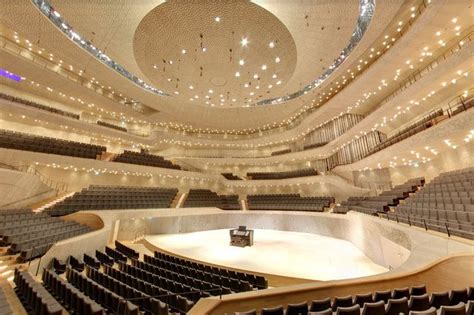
458,309
419,302
320,305
381,203
291,202
34,296
143,158
21,101
437,299
384,304
397,306
446,205
350,310
108,125
297,309
375,308
31,234
282,175
114,197
27,142
277,310
430,311
197,198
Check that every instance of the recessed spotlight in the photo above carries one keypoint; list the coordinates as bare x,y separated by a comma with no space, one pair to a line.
454,20
274,76
278,82
237,74
277,59
264,67
183,51
155,66
211,91
217,19
270,86
241,62
255,76
244,42
191,87
271,44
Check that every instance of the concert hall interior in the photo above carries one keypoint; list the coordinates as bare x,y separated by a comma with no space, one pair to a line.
237,157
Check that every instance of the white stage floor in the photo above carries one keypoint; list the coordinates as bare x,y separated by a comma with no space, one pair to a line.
291,254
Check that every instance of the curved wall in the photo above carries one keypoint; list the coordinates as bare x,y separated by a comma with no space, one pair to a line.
394,246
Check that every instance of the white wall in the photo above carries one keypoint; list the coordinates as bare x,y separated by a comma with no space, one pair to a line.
20,189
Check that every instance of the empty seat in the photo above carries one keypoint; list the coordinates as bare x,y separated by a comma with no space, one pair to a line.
397,306
430,311
382,296
419,302
320,305
350,310
251,312
400,292
278,310
376,308
297,309
458,309
361,299
418,290
342,301
437,299
457,296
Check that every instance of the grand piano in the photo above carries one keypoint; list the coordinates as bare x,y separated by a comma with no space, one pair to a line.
241,237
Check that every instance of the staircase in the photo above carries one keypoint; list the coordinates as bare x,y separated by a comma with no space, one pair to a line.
50,202
181,198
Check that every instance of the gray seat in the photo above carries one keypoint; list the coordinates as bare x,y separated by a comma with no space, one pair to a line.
458,309
351,310
419,302
430,311
376,308
397,306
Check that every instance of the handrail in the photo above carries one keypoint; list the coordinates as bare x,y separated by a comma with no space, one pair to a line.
56,185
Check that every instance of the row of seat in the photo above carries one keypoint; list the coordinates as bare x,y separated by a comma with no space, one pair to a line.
32,234
414,300
27,142
34,297
282,175
114,197
382,202
258,282
230,176
142,158
106,124
70,297
442,211
292,202
205,198
199,280
38,106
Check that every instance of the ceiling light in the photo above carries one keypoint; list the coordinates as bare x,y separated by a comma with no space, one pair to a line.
244,42
270,86
241,62
271,44
454,20
183,51
237,74
204,49
217,19
191,87
155,66
278,82
277,59
57,13
274,76
211,91
255,76
264,67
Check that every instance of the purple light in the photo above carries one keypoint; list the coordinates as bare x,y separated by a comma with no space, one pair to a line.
9,75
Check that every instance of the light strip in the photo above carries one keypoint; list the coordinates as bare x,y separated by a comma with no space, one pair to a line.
55,17
366,12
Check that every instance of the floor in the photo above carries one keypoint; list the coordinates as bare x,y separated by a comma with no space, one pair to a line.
290,254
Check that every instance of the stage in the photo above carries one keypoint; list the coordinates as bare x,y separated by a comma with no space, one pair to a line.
290,254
